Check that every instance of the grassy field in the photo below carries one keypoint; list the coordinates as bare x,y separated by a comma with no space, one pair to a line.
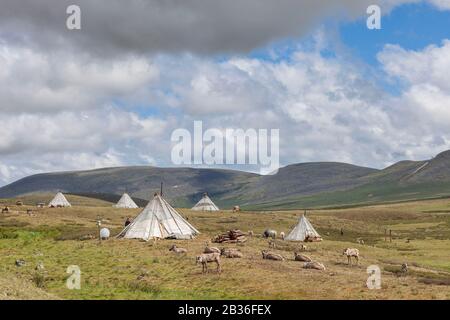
370,194
132,269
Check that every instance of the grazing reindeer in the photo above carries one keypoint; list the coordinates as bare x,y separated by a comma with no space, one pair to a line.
206,258
282,235
268,233
250,233
351,252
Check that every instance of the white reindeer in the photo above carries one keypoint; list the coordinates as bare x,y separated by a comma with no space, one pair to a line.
206,258
351,252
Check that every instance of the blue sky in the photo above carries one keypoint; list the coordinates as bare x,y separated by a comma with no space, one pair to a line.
412,26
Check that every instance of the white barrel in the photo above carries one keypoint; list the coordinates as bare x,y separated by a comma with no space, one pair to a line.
105,233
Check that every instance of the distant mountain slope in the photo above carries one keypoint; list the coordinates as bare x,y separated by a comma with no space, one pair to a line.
306,179
436,169
140,182
295,186
403,181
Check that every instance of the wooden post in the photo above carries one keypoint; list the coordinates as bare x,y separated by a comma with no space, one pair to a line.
99,224
390,235
385,235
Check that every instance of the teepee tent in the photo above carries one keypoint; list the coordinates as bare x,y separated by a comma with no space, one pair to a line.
304,231
159,220
205,204
126,202
59,201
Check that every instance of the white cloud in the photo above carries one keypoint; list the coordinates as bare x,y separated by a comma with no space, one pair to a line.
429,65
34,143
327,108
441,4
39,82
61,112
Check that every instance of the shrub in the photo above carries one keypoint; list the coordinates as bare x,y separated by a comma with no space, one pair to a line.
143,286
8,234
39,280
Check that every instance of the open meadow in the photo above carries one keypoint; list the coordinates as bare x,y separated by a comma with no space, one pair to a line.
133,269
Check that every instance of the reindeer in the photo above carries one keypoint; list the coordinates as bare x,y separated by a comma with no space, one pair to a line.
231,253
206,258
301,257
268,233
177,250
351,252
314,265
209,249
271,256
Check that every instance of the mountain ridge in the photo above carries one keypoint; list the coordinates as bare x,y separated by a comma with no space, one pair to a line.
297,185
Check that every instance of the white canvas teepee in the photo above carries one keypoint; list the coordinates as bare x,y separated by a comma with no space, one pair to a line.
59,201
159,220
304,231
205,204
126,202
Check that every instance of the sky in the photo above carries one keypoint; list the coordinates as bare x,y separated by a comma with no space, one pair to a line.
112,93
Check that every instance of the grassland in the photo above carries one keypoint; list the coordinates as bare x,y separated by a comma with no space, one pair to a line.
132,269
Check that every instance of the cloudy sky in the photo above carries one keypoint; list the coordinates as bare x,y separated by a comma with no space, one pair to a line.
112,93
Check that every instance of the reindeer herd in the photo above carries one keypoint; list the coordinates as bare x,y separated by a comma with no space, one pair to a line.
214,255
